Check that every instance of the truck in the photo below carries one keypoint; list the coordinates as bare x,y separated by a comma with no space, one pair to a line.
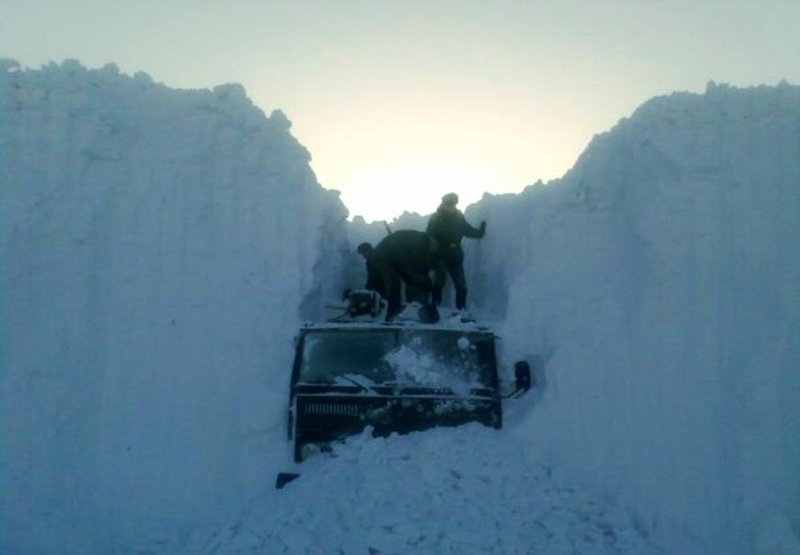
399,376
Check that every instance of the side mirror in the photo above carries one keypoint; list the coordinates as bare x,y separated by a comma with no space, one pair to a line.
522,376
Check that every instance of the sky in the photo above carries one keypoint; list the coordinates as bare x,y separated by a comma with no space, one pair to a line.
401,102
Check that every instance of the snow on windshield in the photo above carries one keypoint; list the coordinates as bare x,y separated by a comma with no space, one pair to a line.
429,358
449,361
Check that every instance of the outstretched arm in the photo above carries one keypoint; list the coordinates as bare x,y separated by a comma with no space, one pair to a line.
472,232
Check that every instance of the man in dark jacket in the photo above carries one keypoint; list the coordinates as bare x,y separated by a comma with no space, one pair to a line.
404,255
447,227
374,281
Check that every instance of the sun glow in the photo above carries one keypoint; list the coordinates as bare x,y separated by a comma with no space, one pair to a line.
385,193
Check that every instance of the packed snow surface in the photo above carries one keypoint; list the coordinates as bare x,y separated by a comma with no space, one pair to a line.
429,493
160,247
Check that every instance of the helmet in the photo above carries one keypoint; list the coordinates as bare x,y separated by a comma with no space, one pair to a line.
450,199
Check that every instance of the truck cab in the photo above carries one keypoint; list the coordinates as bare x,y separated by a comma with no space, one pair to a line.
390,377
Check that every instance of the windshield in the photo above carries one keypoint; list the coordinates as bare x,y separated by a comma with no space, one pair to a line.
330,357
425,358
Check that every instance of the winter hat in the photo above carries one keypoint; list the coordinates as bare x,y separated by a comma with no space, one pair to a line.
450,199
364,248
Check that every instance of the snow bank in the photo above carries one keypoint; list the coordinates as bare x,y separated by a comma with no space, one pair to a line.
661,281
156,246
464,490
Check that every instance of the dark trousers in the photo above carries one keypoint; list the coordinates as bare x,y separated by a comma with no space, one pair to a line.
417,285
451,262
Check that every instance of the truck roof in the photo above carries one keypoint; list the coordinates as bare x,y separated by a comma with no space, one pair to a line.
399,325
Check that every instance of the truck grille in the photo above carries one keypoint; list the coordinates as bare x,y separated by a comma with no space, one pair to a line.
339,409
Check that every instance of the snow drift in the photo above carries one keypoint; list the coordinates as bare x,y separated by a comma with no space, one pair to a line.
661,277
159,247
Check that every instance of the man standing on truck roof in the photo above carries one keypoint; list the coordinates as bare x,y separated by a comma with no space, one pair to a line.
447,227
406,255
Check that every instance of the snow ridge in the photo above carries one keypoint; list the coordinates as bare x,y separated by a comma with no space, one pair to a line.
156,244
662,274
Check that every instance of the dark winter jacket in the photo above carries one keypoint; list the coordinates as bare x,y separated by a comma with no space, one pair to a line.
374,280
404,257
448,226
405,251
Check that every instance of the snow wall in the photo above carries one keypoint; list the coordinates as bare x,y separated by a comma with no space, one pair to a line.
660,282
156,245
159,249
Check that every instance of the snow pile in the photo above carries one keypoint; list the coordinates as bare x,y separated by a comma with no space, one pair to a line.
155,245
464,490
159,248
661,281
